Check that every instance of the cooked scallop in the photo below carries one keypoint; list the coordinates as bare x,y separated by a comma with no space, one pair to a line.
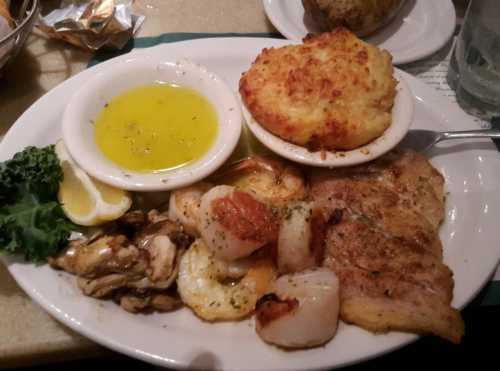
233,224
301,311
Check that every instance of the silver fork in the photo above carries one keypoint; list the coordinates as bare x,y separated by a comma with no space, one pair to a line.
422,140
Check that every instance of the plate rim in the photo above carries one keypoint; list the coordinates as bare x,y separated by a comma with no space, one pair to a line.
270,6
113,344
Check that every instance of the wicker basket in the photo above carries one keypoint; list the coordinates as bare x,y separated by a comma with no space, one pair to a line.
11,44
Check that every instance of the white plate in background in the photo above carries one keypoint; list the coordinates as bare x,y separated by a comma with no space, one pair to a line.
181,340
420,28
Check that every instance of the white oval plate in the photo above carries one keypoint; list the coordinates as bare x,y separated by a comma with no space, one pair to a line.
420,28
179,339
402,115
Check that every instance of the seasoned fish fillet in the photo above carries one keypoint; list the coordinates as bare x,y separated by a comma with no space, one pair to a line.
334,91
383,243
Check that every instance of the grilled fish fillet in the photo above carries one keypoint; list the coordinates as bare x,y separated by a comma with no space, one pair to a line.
383,243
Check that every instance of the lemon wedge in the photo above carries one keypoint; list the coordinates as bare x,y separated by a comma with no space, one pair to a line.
85,200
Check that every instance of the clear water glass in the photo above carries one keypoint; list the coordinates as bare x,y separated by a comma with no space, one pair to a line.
475,65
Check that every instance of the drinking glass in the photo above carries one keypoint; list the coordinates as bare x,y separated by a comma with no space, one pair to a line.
475,64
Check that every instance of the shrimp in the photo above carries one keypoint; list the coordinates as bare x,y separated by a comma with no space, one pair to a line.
301,311
204,287
184,206
233,224
269,180
301,237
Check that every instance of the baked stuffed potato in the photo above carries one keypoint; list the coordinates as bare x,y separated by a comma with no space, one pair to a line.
361,16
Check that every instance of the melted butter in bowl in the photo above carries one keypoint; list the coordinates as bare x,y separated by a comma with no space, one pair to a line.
156,127
146,124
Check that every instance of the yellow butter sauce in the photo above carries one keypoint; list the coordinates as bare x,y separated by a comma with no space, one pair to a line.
156,127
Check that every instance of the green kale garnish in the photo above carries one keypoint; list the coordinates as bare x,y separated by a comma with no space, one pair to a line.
32,222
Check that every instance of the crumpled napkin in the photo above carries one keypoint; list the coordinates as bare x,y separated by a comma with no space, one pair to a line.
92,24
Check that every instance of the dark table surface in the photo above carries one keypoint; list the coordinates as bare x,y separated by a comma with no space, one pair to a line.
480,348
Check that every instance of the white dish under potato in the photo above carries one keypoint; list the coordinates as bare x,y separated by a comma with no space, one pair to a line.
402,116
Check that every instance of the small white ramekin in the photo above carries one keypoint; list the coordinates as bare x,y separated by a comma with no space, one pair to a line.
402,117
86,104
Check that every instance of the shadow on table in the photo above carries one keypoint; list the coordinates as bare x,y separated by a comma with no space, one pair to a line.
42,64
19,86
8,286
482,325
205,361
